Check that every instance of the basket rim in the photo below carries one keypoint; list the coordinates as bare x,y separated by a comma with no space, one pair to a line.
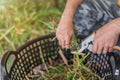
34,40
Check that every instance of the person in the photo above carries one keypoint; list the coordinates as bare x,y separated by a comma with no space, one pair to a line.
102,16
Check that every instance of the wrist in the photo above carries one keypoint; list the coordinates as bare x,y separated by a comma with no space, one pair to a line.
67,18
70,9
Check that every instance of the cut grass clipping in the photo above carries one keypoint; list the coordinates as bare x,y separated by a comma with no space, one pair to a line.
60,70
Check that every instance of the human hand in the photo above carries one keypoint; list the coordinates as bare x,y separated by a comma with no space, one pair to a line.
106,37
64,33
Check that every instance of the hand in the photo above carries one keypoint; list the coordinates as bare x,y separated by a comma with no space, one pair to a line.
65,29
106,37
64,33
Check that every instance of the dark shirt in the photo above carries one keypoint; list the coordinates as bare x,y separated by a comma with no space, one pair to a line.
93,14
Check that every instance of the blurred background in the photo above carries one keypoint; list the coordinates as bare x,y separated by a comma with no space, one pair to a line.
23,20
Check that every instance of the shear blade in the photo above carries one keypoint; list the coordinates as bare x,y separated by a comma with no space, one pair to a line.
81,50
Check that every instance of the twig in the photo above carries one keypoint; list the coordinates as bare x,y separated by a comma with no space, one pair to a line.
53,39
7,32
27,77
50,61
63,57
43,60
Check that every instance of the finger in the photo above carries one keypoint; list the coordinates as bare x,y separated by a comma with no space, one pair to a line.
105,50
111,46
100,48
59,40
110,49
95,47
62,43
67,43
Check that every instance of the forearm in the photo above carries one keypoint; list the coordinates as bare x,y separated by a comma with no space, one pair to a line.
70,9
116,25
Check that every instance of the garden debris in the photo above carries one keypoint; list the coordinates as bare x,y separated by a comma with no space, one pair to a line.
59,71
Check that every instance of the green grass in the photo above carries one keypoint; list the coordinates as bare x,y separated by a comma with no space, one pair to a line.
23,20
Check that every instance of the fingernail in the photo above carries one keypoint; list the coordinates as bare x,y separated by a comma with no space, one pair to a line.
63,47
104,52
110,50
99,52
93,52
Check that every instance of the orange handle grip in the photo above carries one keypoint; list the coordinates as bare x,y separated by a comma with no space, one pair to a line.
116,48
94,33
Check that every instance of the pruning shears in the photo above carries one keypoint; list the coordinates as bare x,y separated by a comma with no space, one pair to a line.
87,43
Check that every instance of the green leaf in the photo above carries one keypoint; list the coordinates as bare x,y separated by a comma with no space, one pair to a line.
49,25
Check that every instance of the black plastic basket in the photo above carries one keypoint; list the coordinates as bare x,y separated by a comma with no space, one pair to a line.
28,57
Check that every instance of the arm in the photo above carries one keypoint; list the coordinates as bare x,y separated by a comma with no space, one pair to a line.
70,9
65,28
107,37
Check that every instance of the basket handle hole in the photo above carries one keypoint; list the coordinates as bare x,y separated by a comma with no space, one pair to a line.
10,62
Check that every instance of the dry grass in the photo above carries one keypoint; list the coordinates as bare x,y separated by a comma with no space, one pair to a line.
22,20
